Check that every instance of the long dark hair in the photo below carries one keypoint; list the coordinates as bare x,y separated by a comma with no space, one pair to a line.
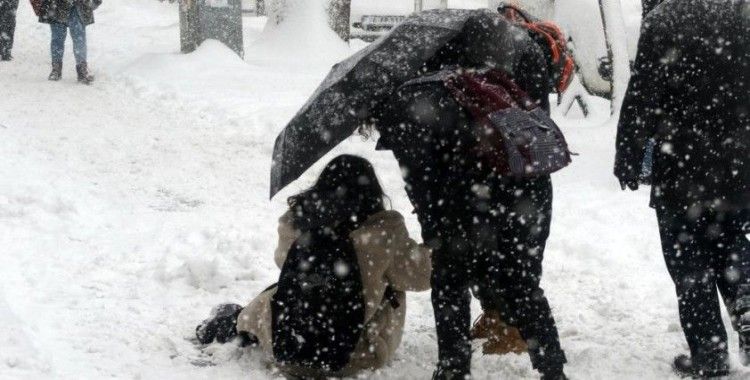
346,194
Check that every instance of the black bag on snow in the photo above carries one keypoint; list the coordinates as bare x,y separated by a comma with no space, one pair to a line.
318,310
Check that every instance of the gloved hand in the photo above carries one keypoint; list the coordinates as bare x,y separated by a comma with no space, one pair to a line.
630,183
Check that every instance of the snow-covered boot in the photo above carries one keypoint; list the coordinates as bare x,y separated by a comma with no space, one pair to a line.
684,366
221,325
56,73
83,73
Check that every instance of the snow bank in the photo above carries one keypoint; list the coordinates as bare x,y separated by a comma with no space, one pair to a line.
18,353
303,36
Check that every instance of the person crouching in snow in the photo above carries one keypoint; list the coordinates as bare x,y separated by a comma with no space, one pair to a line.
346,262
64,15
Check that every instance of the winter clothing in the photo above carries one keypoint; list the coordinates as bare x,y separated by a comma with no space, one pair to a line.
59,11
690,91
702,253
221,326
82,69
501,338
8,10
485,231
687,367
387,257
77,33
649,5
56,73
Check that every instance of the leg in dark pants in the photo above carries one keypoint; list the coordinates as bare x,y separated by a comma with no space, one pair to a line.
8,10
520,217
451,302
703,253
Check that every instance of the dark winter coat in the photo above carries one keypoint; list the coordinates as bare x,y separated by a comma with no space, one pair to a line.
648,5
690,90
58,11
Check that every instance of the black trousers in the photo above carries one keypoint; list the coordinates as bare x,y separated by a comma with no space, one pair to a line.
705,252
487,235
7,25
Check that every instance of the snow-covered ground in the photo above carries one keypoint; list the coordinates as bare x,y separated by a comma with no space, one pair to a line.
131,207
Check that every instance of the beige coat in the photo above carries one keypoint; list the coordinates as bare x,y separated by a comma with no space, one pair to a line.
386,256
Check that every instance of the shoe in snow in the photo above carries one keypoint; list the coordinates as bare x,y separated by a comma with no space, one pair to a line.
56,73
6,57
451,374
685,367
555,375
83,73
221,326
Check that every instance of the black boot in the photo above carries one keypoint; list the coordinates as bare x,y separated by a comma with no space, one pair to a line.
6,57
56,73
83,73
557,374
221,325
685,367
451,374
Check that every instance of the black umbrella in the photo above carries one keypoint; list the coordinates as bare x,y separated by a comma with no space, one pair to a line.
358,84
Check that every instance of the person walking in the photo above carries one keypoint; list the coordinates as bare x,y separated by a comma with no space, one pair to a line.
487,232
8,10
690,93
64,16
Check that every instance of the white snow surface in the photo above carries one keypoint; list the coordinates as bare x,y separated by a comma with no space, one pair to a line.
129,208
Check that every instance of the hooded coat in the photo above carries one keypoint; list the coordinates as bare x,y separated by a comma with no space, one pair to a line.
387,256
58,11
690,91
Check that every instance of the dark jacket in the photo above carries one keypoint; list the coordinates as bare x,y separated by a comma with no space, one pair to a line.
58,11
434,140
648,5
690,90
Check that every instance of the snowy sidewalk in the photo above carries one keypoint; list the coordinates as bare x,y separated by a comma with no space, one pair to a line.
131,207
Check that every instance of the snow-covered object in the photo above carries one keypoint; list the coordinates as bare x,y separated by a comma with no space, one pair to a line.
582,22
616,36
298,30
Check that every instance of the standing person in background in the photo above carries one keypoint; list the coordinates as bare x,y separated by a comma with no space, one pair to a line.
8,10
690,92
64,15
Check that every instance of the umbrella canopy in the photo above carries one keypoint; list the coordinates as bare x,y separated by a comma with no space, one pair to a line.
357,85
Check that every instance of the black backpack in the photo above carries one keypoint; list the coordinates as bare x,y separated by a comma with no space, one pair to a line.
318,311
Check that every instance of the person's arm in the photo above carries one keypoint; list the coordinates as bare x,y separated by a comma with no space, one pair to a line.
411,266
287,235
641,107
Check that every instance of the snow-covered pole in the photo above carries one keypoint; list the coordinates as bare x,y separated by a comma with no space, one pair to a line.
418,6
189,26
339,17
615,36
444,4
